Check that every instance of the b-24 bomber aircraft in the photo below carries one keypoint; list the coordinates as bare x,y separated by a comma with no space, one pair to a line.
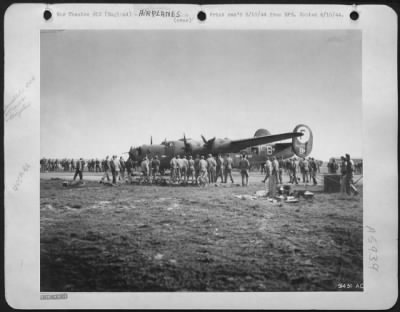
260,145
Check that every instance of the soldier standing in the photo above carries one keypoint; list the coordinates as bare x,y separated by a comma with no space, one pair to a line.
212,172
197,168
305,171
42,164
343,175
268,169
288,166
79,169
294,171
228,163
129,168
244,166
313,170
122,166
349,176
174,166
262,168
273,179
179,167
106,168
191,168
185,165
220,168
145,168
309,168
301,168
115,169
97,164
155,166
332,166
268,172
281,164
202,180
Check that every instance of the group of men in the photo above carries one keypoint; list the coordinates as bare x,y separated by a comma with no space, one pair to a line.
307,167
116,168
201,170
346,175
54,164
333,166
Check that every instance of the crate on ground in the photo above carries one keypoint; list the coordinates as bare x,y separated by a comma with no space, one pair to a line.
332,183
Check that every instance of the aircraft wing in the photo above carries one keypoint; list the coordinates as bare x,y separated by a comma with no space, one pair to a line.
238,145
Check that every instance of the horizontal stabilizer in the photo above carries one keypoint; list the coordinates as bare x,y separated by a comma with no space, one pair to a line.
238,145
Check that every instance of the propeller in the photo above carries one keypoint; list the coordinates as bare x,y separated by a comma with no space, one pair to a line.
208,143
151,140
188,147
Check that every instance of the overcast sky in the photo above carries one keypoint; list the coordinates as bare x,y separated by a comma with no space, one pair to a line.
104,91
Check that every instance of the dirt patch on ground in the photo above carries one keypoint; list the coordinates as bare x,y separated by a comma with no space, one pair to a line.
153,238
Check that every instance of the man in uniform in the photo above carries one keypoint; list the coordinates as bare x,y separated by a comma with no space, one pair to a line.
106,168
228,163
268,169
203,179
115,169
184,169
72,164
268,172
309,168
244,166
262,168
273,179
98,169
174,166
349,176
313,170
42,164
288,166
220,168
343,175
293,168
179,167
129,168
301,167
122,166
280,170
197,168
305,171
155,166
83,164
145,168
212,164
191,169
79,169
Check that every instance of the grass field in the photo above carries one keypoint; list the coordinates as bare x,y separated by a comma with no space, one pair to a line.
175,238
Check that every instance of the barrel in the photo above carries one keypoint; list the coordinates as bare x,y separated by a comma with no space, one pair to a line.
332,183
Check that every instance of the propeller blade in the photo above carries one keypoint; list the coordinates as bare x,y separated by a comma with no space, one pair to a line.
204,139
